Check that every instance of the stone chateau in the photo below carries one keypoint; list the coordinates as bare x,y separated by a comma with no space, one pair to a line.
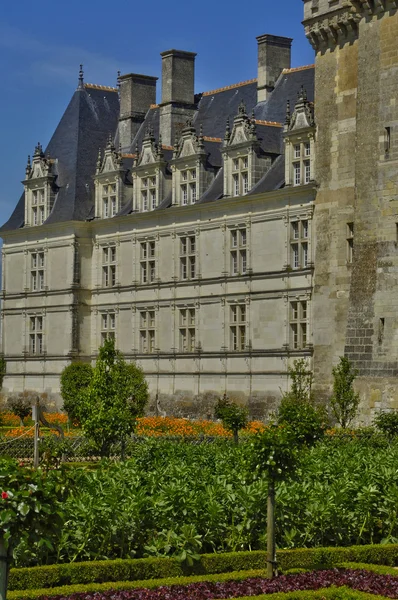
219,236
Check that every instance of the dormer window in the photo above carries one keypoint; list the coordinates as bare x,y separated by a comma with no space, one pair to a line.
40,188
240,178
188,190
109,182
299,134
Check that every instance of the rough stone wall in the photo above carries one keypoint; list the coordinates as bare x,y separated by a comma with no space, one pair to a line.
372,330
335,101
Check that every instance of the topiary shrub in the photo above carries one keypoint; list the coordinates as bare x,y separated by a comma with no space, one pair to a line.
233,417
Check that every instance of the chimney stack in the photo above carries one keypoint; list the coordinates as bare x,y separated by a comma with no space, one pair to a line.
274,53
177,106
137,93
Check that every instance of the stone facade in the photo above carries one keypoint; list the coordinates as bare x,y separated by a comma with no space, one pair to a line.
219,236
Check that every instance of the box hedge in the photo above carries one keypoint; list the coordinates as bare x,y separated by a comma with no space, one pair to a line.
160,568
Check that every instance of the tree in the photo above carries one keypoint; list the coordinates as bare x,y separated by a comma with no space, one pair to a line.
298,409
345,400
233,416
115,397
275,451
21,404
74,378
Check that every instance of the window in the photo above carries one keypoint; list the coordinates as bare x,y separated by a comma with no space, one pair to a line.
188,189
36,335
108,326
147,261
387,139
37,271
188,257
298,324
301,163
350,242
144,200
297,173
240,178
238,326
38,207
307,171
109,266
238,252
187,329
147,331
148,193
109,200
299,257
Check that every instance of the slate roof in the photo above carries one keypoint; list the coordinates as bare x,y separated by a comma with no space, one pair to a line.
93,113
85,126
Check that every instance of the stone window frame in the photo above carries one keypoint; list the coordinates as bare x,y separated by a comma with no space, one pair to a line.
183,180
35,326
238,326
37,270
299,247
108,265
298,323
301,162
238,252
147,260
38,207
147,330
240,167
188,264
187,331
107,325
109,199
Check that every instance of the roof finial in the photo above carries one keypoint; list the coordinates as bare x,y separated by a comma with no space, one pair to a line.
81,78
38,150
242,108
28,166
227,131
288,115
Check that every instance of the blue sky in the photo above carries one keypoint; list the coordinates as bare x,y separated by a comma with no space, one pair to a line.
42,45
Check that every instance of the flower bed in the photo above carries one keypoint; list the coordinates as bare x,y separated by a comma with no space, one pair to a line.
172,426
361,580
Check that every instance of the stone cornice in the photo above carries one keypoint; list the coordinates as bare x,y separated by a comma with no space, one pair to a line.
339,26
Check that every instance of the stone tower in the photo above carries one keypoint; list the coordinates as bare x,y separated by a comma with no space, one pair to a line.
355,301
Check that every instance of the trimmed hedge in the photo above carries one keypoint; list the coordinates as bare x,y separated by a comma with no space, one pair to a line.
128,585
160,568
379,569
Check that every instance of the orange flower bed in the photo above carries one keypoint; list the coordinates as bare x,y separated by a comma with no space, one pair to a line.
160,426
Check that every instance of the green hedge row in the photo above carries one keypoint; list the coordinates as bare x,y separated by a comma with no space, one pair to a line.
128,585
160,568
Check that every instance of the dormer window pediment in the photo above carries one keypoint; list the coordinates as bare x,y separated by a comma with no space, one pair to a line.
109,178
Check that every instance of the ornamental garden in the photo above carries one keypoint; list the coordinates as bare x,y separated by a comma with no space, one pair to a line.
129,506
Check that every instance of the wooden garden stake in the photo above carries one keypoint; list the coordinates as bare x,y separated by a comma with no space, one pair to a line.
3,569
271,552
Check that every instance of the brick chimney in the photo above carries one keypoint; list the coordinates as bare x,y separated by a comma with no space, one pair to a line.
137,93
274,53
177,106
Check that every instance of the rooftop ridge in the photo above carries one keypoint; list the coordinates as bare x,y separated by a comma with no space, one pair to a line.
294,69
269,123
129,155
229,87
167,147
154,106
211,139
106,88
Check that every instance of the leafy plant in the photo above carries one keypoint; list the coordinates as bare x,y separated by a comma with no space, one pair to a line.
74,379
307,421
301,381
387,422
233,417
114,398
345,400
